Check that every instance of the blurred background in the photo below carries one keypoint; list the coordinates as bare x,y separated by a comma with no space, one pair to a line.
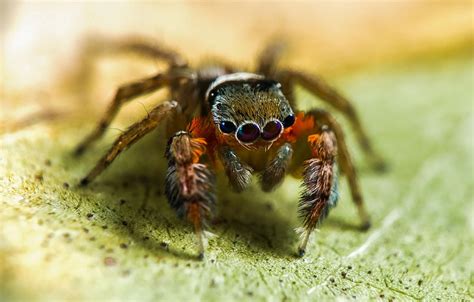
407,65
42,40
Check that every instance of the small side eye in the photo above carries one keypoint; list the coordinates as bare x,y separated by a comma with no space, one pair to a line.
227,127
289,120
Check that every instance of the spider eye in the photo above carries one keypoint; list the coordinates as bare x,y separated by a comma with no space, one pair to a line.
248,133
272,130
289,120
227,127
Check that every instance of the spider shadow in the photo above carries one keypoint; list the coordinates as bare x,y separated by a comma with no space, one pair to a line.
340,224
141,215
254,220
246,220
130,191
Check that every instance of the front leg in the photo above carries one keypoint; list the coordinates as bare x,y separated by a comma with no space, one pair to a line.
275,171
319,183
189,183
347,166
238,173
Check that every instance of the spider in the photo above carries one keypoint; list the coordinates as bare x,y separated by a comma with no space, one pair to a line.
222,117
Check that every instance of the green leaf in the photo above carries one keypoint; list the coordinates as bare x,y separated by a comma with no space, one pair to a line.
119,240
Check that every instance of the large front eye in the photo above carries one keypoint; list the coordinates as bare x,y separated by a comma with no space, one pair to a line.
272,130
227,127
248,133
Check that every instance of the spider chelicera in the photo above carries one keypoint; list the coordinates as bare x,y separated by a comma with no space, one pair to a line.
221,117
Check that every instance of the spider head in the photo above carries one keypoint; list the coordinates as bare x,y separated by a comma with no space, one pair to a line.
249,108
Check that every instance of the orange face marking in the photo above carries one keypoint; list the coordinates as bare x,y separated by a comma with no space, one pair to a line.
312,139
204,134
198,148
313,142
303,124
203,127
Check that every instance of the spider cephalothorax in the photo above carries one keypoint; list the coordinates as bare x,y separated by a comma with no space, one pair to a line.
246,121
249,107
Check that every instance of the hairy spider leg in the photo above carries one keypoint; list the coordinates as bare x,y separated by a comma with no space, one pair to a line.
131,136
318,87
328,147
127,93
323,117
189,183
319,183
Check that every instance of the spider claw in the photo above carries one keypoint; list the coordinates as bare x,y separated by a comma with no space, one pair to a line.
79,151
201,256
200,242
380,166
365,218
366,226
304,242
301,252
84,182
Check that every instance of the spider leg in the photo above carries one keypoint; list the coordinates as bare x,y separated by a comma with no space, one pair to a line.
269,57
238,173
325,92
344,159
147,49
319,184
124,94
189,183
320,176
267,66
129,137
96,46
276,170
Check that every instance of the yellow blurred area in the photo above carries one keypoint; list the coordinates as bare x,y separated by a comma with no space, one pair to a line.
41,38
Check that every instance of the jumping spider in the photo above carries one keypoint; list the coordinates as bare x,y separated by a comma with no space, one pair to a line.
219,117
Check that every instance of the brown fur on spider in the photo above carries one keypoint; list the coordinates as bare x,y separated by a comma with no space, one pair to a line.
245,123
